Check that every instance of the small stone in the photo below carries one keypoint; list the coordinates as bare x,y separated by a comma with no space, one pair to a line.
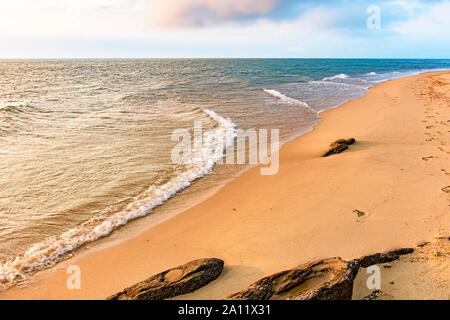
374,295
422,244
437,253
359,213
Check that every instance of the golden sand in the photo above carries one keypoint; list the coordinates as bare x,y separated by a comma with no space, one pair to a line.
264,224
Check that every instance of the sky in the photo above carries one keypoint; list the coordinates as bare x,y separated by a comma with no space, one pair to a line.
224,29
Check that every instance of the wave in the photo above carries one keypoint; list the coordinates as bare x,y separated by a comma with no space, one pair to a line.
288,100
329,83
47,253
371,74
341,76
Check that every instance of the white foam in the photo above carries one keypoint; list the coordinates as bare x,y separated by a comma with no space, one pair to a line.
341,76
372,74
328,83
288,100
50,251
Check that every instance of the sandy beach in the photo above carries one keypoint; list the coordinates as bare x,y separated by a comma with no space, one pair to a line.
260,225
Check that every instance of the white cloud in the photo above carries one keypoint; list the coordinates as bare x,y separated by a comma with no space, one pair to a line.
192,13
125,27
59,18
122,28
431,20
408,6
305,36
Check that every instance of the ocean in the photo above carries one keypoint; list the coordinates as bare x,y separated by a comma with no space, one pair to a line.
85,145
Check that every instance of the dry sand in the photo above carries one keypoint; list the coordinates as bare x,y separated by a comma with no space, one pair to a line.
394,173
424,274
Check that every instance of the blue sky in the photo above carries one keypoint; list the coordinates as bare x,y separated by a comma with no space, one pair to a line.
224,28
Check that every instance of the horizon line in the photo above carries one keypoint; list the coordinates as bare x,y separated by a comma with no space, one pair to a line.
216,58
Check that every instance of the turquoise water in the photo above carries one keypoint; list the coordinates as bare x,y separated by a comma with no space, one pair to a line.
85,144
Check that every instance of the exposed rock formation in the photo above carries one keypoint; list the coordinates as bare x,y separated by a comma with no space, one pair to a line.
329,279
177,281
385,257
339,146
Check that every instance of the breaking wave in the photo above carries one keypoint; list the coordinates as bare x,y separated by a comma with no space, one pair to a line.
288,100
341,76
47,253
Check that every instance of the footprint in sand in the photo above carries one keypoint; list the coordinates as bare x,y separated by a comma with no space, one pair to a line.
428,158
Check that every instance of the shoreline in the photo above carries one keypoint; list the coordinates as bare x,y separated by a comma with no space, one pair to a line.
274,222
199,189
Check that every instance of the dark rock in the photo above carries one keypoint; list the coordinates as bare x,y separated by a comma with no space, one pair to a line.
329,279
344,141
177,281
423,244
367,261
337,149
339,146
375,295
